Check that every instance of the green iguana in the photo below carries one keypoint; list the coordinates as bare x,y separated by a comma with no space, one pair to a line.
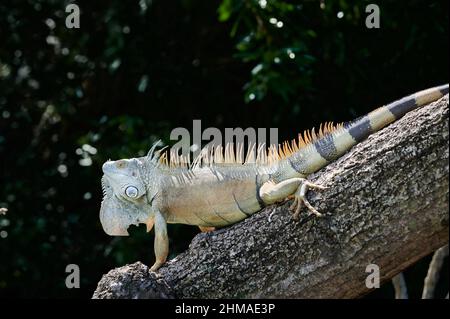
220,188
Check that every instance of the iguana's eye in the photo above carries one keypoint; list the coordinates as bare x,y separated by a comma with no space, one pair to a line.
131,192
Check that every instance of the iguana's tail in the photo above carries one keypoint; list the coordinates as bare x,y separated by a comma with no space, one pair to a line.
328,147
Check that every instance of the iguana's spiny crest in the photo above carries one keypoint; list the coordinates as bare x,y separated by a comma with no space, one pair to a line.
234,154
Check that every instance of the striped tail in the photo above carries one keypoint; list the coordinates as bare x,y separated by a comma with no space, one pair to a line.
333,145
383,116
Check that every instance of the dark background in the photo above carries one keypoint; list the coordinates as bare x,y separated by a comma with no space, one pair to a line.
72,98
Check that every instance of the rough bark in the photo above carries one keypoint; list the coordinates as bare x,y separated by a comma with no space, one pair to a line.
387,204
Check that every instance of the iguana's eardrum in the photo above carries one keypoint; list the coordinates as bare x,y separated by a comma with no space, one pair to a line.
221,186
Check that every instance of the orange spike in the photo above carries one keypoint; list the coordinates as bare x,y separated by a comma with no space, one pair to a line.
294,146
328,127
313,134
301,141
280,152
289,148
273,150
307,136
285,150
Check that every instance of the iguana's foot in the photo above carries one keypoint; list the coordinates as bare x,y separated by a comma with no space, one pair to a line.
206,229
295,187
156,265
300,199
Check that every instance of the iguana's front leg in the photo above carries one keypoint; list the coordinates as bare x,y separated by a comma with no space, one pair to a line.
298,187
150,223
161,241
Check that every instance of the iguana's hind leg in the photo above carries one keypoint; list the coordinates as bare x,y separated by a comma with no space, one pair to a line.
161,241
300,199
296,187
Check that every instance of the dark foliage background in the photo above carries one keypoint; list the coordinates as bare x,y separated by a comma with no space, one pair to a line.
72,98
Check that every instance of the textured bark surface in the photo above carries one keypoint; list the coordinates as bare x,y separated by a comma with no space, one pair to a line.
387,204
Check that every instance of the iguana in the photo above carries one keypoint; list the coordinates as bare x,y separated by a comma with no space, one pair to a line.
220,187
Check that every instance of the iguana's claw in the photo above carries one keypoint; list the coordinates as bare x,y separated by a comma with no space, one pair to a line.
300,199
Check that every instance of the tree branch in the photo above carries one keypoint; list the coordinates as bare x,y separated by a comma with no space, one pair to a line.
387,204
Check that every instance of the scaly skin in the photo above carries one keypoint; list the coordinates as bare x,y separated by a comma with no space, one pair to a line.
217,194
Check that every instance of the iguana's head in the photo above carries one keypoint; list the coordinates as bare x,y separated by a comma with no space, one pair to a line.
124,196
